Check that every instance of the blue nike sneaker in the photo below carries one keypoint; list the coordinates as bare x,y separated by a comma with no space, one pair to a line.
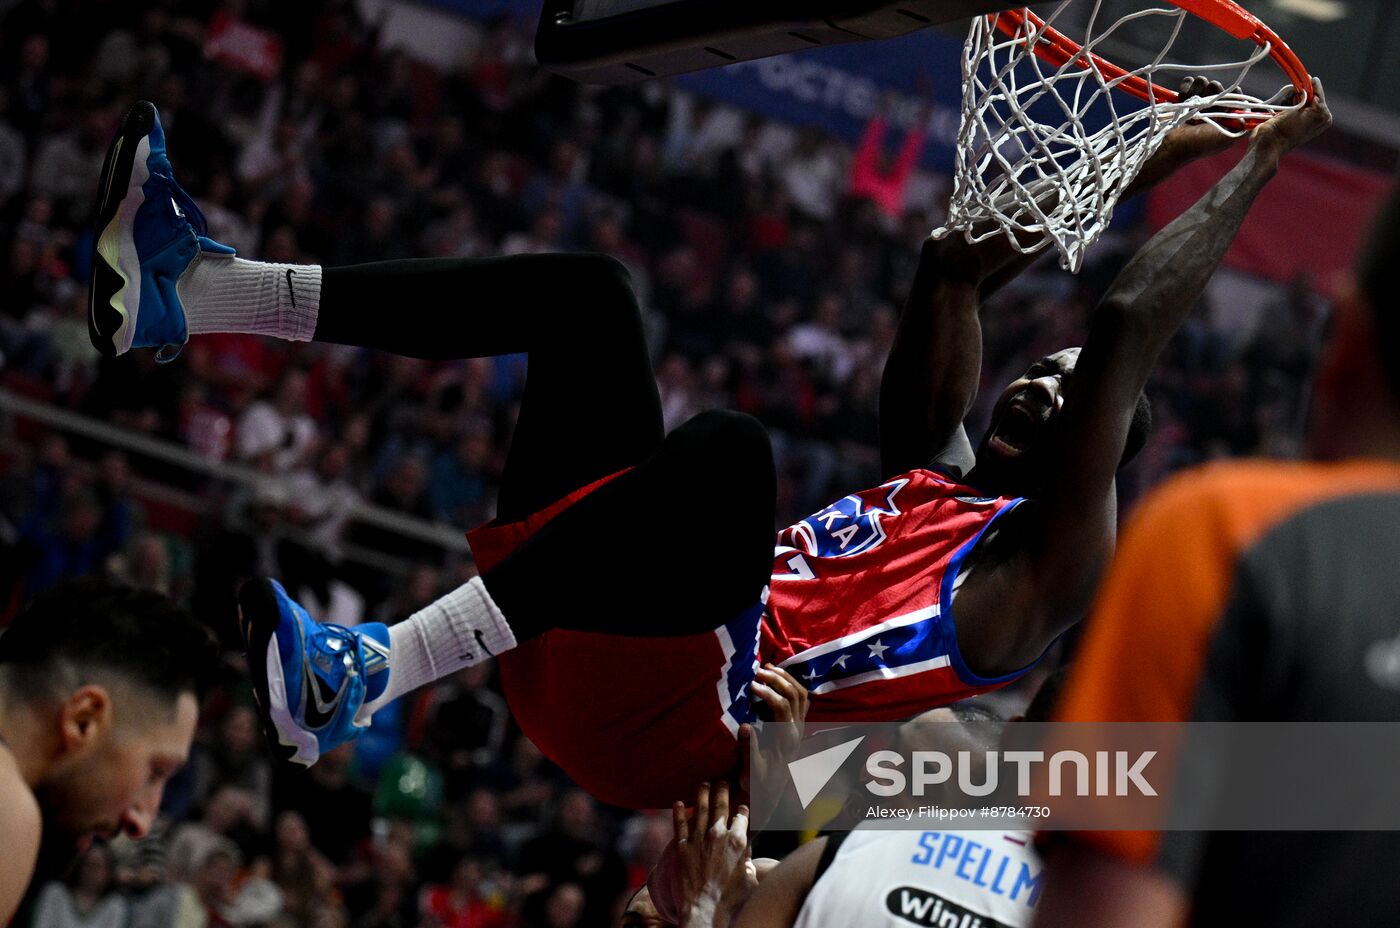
148,232
310,679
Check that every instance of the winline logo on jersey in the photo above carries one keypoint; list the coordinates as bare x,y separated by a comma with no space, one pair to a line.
936,773
927,908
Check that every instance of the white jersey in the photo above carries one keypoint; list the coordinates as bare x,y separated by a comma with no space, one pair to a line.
939,879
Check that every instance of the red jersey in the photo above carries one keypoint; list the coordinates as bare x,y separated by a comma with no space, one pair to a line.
860,607
856,609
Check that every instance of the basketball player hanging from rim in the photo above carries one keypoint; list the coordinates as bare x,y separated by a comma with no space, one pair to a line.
629,586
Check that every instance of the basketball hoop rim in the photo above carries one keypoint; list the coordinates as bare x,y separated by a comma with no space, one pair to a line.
1057,49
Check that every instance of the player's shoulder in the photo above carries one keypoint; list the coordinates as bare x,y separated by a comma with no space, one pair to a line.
1240,500
18,807
22,825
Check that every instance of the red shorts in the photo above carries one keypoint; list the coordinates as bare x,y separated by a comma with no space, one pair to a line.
636,722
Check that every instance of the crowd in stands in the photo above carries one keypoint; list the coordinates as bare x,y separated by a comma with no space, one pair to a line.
771,261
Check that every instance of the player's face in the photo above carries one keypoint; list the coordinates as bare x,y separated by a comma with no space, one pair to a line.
113,784
1027,409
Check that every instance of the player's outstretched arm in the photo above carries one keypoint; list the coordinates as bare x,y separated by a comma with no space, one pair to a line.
1127,332
931,377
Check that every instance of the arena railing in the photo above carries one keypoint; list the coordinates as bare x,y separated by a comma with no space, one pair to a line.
449,539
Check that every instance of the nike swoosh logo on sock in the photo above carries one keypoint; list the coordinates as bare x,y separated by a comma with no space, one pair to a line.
290,291
481,640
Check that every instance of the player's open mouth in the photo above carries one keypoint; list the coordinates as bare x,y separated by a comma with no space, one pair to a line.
1015,431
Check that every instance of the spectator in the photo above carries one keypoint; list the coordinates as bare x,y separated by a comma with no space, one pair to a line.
459,903
302,873
71,546
235,758
276,434
572,852
466,727
335,808
323,498
89,902
229,817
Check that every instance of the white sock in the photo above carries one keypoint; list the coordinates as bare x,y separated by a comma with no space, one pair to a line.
221,293
463,628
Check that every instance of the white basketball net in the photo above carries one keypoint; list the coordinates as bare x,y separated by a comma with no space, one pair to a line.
1058,182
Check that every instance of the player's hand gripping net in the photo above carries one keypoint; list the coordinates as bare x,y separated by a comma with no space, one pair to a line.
1053,133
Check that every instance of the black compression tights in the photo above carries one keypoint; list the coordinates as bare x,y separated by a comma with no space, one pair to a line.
676,546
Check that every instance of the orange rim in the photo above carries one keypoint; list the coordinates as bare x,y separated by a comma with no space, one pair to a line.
1057,49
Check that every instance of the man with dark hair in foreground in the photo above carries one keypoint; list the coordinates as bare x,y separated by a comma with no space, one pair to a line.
99,696
630,584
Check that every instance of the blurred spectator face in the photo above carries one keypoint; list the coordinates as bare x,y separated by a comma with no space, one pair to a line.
565,160
81,516
39,210
24,258
240,731
227,808
54,452
282,246
291,832
422,585
393,864
149,562
379,218
607,234
296,202
577,817
334,462
565,906
674,371
356,432
291,394
474,451
466,876
329,916
172,92
715,373
214,879
829,312
483,809
220,189
408,481
882,325
548,227
116,471
743,289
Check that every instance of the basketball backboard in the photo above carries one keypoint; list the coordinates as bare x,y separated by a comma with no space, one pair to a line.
625,41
